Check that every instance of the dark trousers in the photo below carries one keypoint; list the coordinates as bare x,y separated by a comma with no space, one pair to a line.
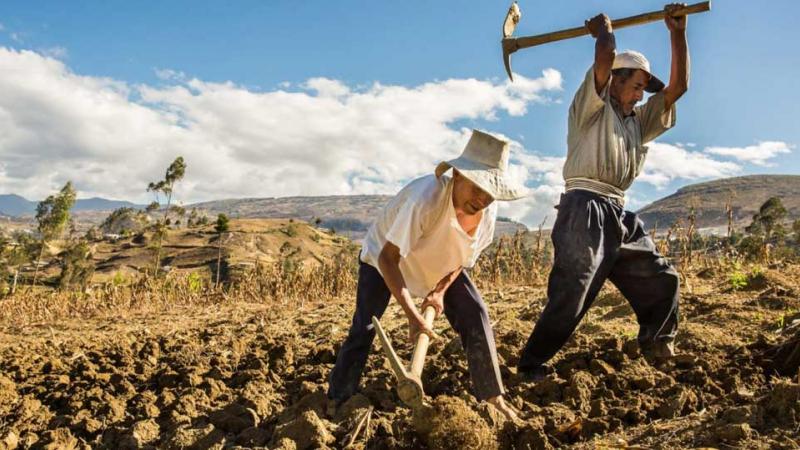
463,308
594,240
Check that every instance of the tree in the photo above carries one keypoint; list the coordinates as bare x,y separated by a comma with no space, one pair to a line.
193,219
17,251
175,173
123,219
77,266
6,248
180,211
153,206
767,221
796,229
221,227
52,214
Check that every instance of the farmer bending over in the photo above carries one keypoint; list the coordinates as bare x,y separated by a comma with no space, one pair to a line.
594,237
419,246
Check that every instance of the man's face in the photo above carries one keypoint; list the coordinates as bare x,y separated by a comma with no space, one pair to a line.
467,196
629,92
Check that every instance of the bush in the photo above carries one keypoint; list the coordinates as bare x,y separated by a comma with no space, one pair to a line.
194,282
738,280
77,266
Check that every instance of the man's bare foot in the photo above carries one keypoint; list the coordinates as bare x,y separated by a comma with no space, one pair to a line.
506,409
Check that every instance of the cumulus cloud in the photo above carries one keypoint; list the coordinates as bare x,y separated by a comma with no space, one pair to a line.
316,137
755,154
170,75
56,52
542,175
319,137
668,162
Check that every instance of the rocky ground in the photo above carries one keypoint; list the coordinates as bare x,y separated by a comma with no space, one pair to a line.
245,375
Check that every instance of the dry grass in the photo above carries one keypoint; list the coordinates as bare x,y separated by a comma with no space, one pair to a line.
282,281
522,259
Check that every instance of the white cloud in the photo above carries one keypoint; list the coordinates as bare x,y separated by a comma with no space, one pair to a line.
325,87
667,162
542,174
56,52
170,75
317,137
323,137
755,154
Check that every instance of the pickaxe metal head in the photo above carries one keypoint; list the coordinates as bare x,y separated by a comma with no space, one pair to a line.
512,44
509,43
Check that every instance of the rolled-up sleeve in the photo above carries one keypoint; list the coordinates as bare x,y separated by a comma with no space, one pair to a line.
654,118
587,103
405,230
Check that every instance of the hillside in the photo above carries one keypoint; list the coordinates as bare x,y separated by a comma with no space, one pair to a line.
352,213
746,194
346,214
196,250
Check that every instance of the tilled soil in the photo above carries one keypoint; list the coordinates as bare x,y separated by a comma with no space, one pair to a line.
248,375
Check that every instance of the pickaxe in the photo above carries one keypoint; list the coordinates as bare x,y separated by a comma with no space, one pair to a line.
409,383
512,44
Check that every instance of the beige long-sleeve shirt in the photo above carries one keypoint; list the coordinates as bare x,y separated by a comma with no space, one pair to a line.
605,151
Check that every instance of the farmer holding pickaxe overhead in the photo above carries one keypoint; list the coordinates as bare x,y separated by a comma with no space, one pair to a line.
419,246
594,237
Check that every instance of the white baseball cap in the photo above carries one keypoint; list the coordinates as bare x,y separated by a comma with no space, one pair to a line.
631,59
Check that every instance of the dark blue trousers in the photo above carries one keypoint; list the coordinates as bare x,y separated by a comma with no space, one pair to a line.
464,309
596,240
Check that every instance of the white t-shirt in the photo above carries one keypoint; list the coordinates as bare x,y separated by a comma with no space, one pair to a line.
421,221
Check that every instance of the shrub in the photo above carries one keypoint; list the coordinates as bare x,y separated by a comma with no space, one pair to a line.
77,266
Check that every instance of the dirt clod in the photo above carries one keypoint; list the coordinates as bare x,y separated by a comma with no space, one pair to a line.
449,424
734,432
9,441
307,431
782,403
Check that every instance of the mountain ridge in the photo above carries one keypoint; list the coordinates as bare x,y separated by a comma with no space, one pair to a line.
17,206
745,194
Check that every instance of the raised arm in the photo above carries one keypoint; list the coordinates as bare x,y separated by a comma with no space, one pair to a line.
605,47
679,71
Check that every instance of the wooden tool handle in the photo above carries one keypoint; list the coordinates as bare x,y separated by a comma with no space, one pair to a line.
421,349
394,360
531,41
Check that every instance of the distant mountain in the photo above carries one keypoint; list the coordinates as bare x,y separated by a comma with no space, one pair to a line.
347,211
102,204
746,195
16,206
347,214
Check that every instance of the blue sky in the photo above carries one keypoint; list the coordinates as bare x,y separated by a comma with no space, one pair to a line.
745,64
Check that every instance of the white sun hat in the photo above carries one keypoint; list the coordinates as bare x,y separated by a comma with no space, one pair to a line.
631,59
484,161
